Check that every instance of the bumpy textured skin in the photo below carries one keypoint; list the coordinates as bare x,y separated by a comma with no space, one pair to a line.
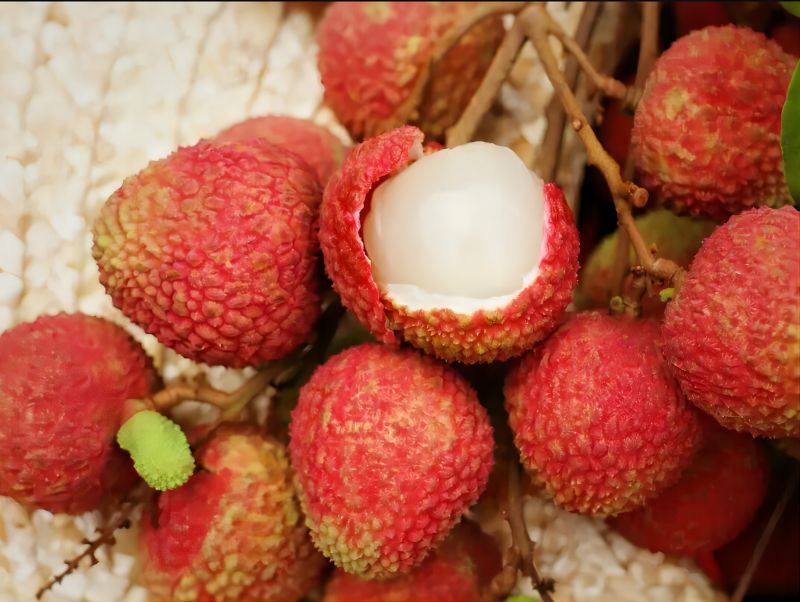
676,238
459,569
484,336
234,531
732,335
390,448
371,55
714,500
64,380
599,422
315,144
214,251
706,134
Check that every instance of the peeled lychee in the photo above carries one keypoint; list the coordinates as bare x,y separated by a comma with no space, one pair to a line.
463,253
234,531
676,238
599,422
214,251
732,335
315,144
714,500
459,569
372,54
390,449
706,134
64,381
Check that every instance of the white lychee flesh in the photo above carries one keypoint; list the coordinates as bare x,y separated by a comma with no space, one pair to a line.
460,229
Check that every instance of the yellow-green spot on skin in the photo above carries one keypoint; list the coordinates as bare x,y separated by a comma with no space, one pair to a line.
159,449
674,102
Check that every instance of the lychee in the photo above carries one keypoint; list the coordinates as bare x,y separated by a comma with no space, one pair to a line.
64,382
372,54
599,422
732,335
460,568
315,144
390,449
676,238
214,251
714,500
463,253
706,132
234,531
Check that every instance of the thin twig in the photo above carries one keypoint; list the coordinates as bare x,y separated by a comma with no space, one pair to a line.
634,291
464,129
408,111
763,541
550,152
105,536
625,193
648,50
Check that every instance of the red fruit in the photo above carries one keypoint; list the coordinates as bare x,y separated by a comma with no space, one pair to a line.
732,335
599,422
372,54
714,500
214,251
459,569
706,134
64,381
390,448
234,531
483,281
313,143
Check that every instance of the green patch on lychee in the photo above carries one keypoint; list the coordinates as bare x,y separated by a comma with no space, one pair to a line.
159,449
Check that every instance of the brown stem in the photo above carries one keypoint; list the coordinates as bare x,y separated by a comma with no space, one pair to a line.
550,152
464,129
763,541
634,291
625,193
648,50
408,111
120,519
607,85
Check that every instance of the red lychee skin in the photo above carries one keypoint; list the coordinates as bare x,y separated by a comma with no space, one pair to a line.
732,335
390,448
234,531
372,54
214,251
459,569
484,336
315,144
706,134
64,380
714,500
599,422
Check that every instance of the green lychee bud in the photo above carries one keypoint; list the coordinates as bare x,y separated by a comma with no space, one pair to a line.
159,449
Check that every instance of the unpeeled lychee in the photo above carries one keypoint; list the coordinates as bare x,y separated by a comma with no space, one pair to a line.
64,381
732,335
493,256
714,500
599,422
706,132
390,448
460,568
214,251
372,55
234,531
676,238
315,144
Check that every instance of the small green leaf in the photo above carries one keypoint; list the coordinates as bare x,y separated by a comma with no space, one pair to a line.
792,7
790,135
523,598
666,294
616,305
159,449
